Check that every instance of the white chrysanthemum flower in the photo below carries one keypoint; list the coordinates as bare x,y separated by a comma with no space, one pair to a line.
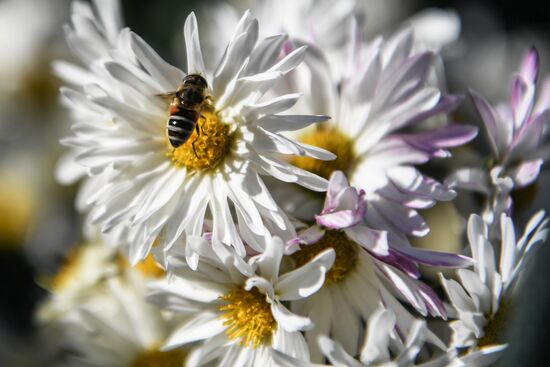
242,319
81,280
304,20
145,189
482,299
382,347
78,280
121,331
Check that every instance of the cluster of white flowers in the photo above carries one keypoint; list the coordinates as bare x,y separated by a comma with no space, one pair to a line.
277,231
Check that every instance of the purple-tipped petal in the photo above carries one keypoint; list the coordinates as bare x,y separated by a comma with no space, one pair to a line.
372,240
446,137
529,68
446,104
401,262
433,302
338,220
337,183
522,100
490,120
308,236
435,258
528,138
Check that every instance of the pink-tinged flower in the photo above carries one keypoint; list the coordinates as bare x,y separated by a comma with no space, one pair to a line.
369,270
515,130
379,103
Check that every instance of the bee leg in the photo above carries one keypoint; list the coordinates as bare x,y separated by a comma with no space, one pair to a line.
194,150
194,141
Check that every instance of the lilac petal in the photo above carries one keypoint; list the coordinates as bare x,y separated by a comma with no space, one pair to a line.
372,240
529,68
435,258
446,104
522,100
401,262
406,286
490,120
338,182
308,236
528,138
446,137
433,302
526,173
338,220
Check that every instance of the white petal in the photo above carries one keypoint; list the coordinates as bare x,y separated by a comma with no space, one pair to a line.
288,320
195,63
203,326
307,279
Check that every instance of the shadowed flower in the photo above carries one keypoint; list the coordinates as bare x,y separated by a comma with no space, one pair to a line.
515,131
482,299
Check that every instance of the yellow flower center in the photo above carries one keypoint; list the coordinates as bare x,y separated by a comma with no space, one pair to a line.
248,317
68,270
206,149
148,267
156,358
495,330
345,249
333,140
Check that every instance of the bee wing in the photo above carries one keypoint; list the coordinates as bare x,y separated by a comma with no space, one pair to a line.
166,96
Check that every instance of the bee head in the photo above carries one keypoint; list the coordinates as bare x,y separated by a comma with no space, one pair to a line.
195,80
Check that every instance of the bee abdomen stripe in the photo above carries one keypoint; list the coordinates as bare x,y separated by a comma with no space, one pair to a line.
180,129
182,123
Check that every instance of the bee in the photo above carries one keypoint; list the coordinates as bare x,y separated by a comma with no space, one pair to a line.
186,104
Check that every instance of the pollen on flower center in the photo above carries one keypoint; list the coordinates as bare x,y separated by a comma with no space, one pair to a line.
148,266
345,249
248,317
495,330
67,272
157,358
205,149
333,140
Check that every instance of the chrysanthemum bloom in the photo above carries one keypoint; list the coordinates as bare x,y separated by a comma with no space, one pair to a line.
143,188
240,318
515,131
305,20
367,272
376,129
80,281
483,299
379,340
121,331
